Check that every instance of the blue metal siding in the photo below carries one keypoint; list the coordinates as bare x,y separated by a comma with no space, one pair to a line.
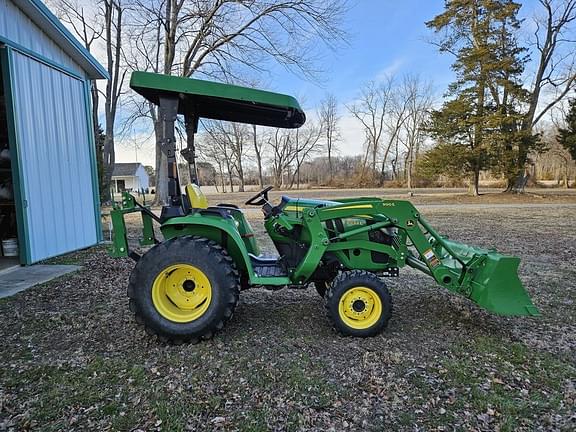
54,158
18,28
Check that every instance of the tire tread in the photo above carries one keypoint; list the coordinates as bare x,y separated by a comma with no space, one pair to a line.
357,275
220,257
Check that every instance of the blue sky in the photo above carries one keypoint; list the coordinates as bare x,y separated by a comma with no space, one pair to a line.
385,37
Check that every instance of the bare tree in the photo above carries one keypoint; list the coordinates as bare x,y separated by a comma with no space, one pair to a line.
87,26
231,139
555,163
237,137
306,144
211,37
228,140
555,72
345,167
282,146
418,95
290,149
371,109
398,114
258,153
329,119
566,161
103,20
556,62
215,150
211,153
113,22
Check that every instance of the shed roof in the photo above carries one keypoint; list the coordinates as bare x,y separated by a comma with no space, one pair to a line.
47,21
125,169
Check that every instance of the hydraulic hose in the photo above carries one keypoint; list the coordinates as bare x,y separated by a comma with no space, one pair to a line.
414,262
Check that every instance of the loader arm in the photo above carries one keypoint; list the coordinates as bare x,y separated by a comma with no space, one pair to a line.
484,276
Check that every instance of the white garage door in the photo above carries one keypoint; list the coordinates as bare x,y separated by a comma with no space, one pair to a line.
54,157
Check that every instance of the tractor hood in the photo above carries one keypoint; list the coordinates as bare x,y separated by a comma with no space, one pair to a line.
218,101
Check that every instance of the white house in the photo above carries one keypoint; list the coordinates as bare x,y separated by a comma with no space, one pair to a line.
131,177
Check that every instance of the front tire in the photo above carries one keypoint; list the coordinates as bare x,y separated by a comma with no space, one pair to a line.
358,304
184,289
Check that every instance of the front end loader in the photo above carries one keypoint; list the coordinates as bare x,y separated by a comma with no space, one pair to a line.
186,286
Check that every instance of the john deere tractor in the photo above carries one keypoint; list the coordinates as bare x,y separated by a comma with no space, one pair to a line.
186,286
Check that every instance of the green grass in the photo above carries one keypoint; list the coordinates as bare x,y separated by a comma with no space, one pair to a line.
254,420
192,386
489,375
101,386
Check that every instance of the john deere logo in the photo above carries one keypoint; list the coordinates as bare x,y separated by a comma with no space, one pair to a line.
410,223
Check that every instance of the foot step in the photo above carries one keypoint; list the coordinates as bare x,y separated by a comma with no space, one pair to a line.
274,270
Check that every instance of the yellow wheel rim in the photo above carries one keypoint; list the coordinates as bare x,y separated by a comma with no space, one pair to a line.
181,293
360,308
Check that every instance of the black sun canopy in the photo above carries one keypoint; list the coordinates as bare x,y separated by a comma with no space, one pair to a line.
217,101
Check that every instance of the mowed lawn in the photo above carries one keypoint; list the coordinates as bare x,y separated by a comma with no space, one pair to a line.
73,358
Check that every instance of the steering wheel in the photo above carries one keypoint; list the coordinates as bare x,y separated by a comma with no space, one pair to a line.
263,195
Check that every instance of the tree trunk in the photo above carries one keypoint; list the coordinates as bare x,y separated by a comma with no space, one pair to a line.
240,176
99,148
364,162
374,154
410,160
298,178
277,171
258,158
161,197
330,168
230,179
95,95
395,161
222,179
405,170
473,189
109,161
520,170
109,152
409,170
383,166
292,179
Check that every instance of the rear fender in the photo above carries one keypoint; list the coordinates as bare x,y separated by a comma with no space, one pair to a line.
217,229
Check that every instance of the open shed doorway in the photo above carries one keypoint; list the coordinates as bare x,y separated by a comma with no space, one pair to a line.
9,251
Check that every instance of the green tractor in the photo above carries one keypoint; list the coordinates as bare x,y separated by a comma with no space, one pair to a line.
186,287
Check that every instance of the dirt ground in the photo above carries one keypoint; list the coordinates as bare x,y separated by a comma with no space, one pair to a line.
74,359
417,196
433,196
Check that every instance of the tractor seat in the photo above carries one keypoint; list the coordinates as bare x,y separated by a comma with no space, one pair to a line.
195,197
197,201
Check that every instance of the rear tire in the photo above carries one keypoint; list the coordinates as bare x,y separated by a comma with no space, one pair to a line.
184,289
358,304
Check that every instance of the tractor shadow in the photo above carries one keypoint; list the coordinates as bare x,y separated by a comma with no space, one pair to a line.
424,318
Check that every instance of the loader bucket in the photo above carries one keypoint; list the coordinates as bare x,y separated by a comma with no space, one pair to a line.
491,280
497,287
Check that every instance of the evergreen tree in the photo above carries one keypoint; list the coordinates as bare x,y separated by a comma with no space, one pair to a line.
482,114
567,135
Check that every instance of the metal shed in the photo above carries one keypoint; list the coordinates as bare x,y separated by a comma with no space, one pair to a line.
48,175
